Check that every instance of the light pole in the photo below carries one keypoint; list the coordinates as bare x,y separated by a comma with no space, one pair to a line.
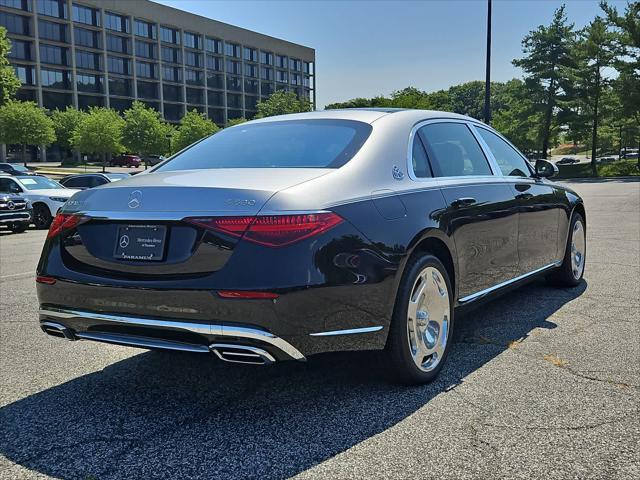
487,82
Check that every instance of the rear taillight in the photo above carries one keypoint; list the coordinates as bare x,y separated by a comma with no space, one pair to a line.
62,222
271,230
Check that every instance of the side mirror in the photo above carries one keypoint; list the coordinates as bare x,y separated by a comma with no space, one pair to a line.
545,169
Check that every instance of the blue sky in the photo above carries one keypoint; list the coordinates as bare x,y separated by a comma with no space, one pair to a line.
365,48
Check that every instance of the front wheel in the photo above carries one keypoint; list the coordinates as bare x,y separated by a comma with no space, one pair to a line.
570,272
41,216
422,323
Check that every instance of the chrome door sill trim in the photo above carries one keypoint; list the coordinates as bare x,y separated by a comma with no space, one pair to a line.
198,328
349,331
482,293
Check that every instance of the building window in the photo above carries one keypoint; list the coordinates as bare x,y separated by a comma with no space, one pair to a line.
214,63
281,61
172,74
21,50
192,40
15,23
145,49
169,35
296,79
250,102
17,4
53,100
295,64
52,31
234,83
266,58
120,104
306,81
215,80
172,112
308,68
216,115
232,50
195,95
53,54
118,65
234,100
120,86
87,101
88,60
146,70
266,73
250,86
118,44
234,113
153,105
250,54
215,98
193,77
171,55
281,76
89,83
172,93
145,29
52,8
193,59
234,67
25,74
54,79
86,15
213,45
115,22
87,38
148,90
250,70
266,88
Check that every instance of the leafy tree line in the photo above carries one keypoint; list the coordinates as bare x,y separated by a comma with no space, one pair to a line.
580,86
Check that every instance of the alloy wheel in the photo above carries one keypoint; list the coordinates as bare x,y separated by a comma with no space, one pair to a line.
578,244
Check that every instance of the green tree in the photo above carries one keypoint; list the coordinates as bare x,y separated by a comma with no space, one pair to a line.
236,121
193,127
515,115
548,56
9,83
100,133
144,132
25,123
65,122
281,103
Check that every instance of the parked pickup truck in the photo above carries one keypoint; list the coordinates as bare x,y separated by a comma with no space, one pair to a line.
15,212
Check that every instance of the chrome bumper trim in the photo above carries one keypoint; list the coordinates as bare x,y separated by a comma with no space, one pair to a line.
21,217
198,328
349,331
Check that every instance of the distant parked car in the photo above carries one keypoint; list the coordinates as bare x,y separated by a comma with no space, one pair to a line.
606,159
630,155
46,195
82,181
126,161
152,160
15,169
567,161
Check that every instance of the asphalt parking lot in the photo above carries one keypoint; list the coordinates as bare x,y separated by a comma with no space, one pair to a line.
542,383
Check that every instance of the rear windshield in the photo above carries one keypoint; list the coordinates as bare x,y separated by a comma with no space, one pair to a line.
285,144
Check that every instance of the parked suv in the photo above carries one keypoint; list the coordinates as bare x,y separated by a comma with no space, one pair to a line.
15,212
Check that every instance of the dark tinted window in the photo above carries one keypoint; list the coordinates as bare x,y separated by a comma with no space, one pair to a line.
510,161
420,162
453,150
77,182
9,186
286,144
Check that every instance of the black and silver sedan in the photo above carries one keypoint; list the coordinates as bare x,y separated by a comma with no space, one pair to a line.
289,236
82,181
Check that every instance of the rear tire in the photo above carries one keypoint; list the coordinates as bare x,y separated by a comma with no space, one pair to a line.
41,216
422,324
570,273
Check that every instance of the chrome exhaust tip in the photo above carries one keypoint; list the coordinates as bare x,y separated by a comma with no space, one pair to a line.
57,330
241,354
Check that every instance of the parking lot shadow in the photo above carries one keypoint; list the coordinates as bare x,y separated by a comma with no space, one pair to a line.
172,415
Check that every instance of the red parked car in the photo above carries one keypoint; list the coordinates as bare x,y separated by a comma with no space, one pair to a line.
126,161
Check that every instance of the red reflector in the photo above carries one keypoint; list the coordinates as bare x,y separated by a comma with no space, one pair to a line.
45,280
271,230
62,222
245,294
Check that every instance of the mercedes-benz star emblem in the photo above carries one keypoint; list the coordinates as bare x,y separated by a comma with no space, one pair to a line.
124,241
11,205
135,199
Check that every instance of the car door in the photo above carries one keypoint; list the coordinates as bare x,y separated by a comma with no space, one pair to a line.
539,204
481,214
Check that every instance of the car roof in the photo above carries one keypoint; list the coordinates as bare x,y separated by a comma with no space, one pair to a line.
368,115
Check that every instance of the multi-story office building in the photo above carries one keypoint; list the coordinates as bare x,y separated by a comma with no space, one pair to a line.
112,52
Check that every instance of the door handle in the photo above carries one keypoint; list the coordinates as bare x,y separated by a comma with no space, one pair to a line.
463,202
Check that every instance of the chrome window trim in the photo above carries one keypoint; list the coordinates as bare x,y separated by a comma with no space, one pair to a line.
489,158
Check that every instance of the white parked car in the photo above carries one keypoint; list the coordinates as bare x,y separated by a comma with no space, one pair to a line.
45,195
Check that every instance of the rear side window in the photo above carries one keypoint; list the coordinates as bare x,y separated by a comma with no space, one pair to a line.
453,150
420,162
509,160
278,144
76,182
